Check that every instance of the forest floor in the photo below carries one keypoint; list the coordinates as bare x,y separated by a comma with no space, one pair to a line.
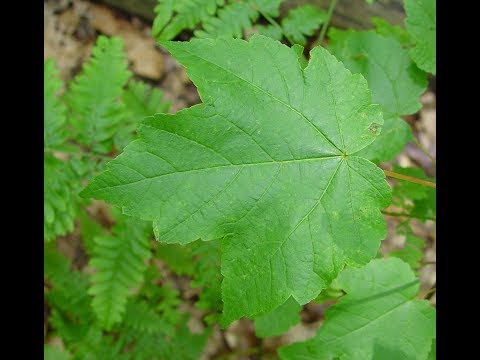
70,31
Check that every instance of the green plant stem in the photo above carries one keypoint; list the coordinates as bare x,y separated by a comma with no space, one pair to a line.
274,23
409,178
331,7
389,213
422,148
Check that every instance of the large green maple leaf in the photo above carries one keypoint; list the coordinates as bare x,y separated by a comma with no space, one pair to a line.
267,163
379,318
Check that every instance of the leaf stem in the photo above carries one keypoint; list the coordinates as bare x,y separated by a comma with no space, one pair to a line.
409,178
331,7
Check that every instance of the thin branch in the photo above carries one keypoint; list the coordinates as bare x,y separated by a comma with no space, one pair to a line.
409,178
331,7
275,24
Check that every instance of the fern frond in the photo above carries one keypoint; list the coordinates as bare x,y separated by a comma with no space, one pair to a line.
96,345
68,291
94,95
303,21
141,319
119,261
174,16
210,18
231,21
140,100
237,17
60,201
71,314
168,304
179,258
182,345
143,100
201,262
53,109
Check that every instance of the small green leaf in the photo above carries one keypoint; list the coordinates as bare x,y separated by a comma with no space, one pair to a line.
279,320
421,23
383,27
379,318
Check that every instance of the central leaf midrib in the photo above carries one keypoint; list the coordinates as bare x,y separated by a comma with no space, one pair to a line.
310,122
221,166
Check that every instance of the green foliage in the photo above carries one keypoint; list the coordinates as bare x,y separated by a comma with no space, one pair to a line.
94,96
297,145
119,261
230,21
378,318
416,200
433,351
67,295
173,16
68,288
201,262
59,197
140,101
396,84
263,195
383,27
234,18
97,100
54,353
148,331
301,21
412,251
279,320
142,319
53,109
95,103
421,23
59,202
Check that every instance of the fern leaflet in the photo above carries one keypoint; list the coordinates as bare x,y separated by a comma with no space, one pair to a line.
120,264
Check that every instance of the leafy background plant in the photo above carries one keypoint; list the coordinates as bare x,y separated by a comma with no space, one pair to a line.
111,290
